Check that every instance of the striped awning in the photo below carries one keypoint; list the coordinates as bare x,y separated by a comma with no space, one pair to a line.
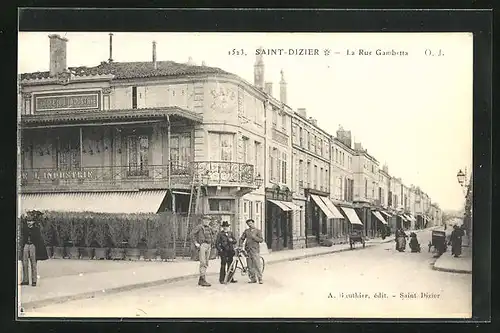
351,215
412,218
98,202
324,207
379,217
404,217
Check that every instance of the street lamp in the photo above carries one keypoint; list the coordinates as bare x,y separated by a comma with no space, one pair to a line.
462,179
259,180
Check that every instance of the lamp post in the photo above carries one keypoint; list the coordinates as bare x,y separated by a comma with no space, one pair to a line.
462,180
258,180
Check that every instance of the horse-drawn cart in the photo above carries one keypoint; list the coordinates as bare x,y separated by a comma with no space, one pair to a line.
356,236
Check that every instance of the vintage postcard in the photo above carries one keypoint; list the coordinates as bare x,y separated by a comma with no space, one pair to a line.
240,175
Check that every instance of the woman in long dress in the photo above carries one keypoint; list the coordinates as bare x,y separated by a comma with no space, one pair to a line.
401,240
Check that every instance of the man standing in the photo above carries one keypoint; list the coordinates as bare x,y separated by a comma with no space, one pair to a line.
203,238
252,237
225,247
33,247
456,241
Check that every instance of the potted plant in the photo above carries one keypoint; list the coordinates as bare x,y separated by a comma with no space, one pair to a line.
62,231
136,230
165,232
47,231
117,226
75,236
152,238
89,232
100,239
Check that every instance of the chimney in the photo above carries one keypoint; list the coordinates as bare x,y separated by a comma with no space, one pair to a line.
203,63
190,61
258,70
154,55
269,88
313,121
57,55
302,112
110,47
283,88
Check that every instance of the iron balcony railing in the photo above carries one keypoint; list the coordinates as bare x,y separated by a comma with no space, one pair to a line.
207,172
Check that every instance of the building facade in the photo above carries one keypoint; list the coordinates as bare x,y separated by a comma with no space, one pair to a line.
141,137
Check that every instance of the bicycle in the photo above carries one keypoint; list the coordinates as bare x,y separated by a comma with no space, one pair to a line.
238,263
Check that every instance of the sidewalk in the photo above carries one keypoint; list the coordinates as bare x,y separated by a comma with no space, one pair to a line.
62,280
447,263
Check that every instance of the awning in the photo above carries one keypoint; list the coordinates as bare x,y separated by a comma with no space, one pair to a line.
412,218
281,205
328,203
386,214
98,202
351,215
403,216
291,205
379,216
322,206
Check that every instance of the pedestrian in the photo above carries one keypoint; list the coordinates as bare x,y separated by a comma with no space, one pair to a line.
456,241
400,238
33,246
224,243
252,238
203,238
414,244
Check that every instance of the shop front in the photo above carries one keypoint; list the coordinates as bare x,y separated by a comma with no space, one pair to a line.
383,225
279,218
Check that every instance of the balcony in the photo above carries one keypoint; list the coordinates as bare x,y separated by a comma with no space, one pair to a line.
137,177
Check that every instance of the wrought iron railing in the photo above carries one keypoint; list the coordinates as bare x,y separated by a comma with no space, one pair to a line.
206,172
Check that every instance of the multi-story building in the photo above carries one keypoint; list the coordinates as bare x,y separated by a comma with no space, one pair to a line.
366,188
136,136
283,216
311,162
342,181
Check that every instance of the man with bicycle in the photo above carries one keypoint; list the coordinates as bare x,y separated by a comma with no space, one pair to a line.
225,247
252,238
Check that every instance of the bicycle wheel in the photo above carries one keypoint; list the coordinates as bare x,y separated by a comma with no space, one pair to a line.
230,271
263,264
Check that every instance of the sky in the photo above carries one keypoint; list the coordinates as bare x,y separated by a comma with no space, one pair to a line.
413,112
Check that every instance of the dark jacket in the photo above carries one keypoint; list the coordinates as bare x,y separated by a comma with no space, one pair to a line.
253,237
36,239
225,244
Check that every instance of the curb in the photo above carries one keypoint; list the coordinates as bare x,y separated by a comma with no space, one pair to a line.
451,270
93,294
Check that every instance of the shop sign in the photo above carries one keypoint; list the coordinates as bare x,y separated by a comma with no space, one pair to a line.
56,174
80,101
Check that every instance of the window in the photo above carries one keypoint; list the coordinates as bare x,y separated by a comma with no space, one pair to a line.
137,156
294,133
321,147
320,178
220,205
300,222
283,122
313,144
245,203
180,149
373,190
346,189
308,173
134,97
246,148
315,174
283,168
336,155
275,118
68,153
366,187
221,146
301,172
309,141
301,137
258,158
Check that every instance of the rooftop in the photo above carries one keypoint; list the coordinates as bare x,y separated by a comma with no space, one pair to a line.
134,70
